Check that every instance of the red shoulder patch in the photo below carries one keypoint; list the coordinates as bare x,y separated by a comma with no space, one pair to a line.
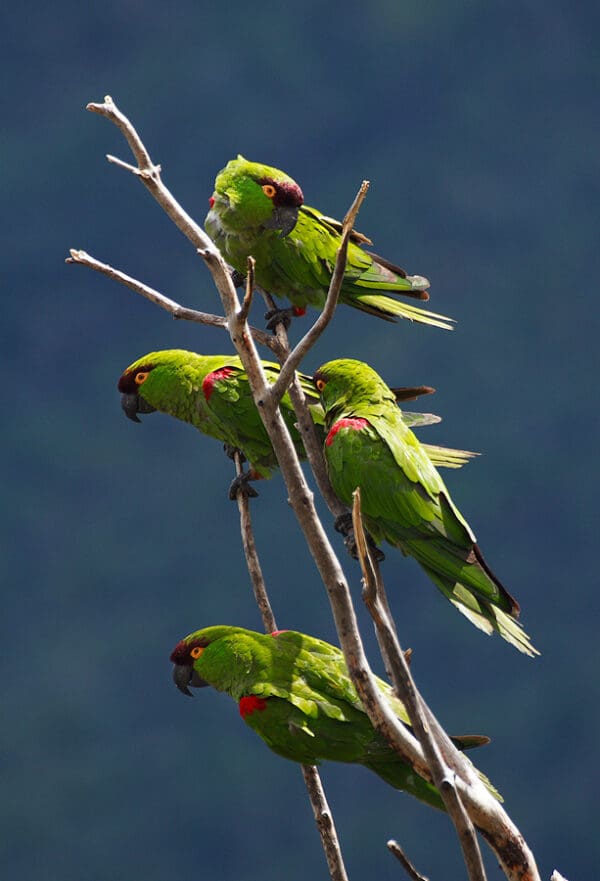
209,381
251,704
277,632
356,424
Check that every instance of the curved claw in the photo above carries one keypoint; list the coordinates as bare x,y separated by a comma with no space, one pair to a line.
279,316
241,486
343,525
231,450
238,278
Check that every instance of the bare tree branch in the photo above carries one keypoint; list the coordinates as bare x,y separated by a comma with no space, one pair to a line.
81,258
484,811
249,290
251,554
325,824
397,851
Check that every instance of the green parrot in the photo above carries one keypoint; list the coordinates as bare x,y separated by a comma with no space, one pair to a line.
258,210
295,692
403,498
212,393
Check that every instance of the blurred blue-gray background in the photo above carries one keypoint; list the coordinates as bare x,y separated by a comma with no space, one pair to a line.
478,126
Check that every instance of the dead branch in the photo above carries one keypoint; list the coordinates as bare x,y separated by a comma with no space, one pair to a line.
397,851
325,824
484,811
81,258
251,554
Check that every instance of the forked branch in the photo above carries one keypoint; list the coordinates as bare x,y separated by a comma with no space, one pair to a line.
483,810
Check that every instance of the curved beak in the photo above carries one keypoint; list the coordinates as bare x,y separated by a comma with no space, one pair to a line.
184,675
132,404
285,218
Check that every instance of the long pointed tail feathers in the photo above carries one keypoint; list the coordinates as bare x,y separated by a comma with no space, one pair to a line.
388,308
484,615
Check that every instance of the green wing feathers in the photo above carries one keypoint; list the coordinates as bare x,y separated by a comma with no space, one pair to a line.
403,498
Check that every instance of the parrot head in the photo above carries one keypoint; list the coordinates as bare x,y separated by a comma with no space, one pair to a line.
130,384
184,656
258,194
187,656
152,382
346,382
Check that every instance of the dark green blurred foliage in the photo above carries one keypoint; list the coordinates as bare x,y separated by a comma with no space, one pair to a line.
478,127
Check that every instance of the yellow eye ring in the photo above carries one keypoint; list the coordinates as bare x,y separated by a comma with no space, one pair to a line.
196,651
141,377
320,384
269,190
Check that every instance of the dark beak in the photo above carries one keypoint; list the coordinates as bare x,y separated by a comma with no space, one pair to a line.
132,404
285,218
184,675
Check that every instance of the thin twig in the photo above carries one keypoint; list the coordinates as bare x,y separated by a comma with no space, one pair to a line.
397,851
81,258
325,824
406,689
251,554
243,316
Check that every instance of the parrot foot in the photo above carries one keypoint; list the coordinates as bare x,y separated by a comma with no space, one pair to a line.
238,278
230,451
241,486
343,525
279,316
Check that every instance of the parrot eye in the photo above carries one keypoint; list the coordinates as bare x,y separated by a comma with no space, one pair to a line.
320,384
196,651
269,190
141,377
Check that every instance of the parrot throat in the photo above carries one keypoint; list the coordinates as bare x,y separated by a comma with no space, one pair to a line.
251,704
210,380
356,424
